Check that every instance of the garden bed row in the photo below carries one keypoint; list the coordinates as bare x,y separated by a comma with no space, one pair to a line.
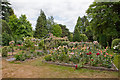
87,67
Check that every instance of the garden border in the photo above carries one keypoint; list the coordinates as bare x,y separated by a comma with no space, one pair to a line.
87,67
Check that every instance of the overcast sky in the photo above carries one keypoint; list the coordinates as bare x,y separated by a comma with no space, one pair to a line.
64,12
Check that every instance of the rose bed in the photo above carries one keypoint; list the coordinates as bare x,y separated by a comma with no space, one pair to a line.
113,68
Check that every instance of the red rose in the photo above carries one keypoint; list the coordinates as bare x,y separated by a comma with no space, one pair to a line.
87,53
90,53
97,54
92,59
76,66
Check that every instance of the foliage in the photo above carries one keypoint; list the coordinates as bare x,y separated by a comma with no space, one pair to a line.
83,37
89,33
28,43
41,28
65,31
116,45
13,23
0,39
103,22
64,43
6,10
4,51
6,27
12,43
84,25
48,57
5,39
70,37
19,42
6,33
76,35
20,57
115,42
25,27
57,31
50,23
41,44
40,54
20,27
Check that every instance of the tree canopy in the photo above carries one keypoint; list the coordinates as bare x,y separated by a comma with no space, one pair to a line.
105,21
57,31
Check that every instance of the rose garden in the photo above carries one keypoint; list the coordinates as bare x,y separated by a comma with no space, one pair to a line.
63,52
49,49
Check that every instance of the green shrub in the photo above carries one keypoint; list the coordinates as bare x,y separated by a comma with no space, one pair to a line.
17,57
41,44
40,54
64,43
62,56
27,56
32,51
116,45
20,57
4,51
45,49
115,42
9,49
83,37
19,42
48,57
28,42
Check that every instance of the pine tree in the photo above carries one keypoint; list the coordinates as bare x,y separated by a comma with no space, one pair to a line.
50,23
76,34
41,26
6,10
77,30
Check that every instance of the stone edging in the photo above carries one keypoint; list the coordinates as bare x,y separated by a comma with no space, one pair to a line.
88,67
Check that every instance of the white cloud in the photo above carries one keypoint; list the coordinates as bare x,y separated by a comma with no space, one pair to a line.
64,11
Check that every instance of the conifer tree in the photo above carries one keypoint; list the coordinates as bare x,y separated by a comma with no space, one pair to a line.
41,26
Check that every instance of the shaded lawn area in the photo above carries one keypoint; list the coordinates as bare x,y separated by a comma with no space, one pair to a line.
37,69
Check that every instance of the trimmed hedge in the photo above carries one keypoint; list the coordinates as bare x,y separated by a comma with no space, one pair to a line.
115,42
4,51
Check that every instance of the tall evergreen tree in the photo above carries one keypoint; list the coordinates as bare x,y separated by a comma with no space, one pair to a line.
77,30
85,28
76,34
6,10
85,23
50,23
41,26
65,30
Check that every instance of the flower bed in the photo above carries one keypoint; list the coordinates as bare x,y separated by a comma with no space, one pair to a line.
82,55
113,68
22,56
